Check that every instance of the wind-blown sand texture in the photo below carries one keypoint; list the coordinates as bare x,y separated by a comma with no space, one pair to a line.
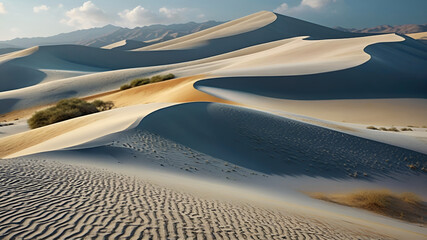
263,108
77,202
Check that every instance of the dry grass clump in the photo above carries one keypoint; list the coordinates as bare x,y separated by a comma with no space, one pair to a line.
67,109
404,206
142,81
406,129
392,129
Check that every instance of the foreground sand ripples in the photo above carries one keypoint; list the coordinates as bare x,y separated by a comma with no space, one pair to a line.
51,200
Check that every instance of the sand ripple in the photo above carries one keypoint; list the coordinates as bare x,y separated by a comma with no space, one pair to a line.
51,200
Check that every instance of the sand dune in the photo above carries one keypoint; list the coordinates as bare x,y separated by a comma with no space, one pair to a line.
391,111
288,55
236,135
126,45
211,129
61,135
253,28
259,28
176,90
422,36
263,108
193,132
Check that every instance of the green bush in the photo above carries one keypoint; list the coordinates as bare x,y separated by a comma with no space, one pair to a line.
142,81
156,78
125,86
168,76
67,109
103,106
139,82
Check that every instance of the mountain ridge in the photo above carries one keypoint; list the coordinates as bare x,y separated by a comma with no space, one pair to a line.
108,34
401,29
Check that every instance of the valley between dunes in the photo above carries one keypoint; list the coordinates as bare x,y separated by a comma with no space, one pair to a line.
263,110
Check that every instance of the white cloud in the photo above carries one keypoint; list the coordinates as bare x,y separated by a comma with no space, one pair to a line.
89,15
2,8
140,16
40,8
86,16
173,13
60,5
315,3
304,5
282,8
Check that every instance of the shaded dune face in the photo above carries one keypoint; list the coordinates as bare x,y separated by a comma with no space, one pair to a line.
16,76
275,145
395,70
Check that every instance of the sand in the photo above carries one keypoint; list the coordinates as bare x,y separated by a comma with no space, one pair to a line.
81,202
263,107
175,90
422,36
126,45
62,135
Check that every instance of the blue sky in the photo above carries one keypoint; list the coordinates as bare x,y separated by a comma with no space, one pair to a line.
29,18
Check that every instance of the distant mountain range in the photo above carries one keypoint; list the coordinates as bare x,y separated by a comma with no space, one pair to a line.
99,37
109,34
401,29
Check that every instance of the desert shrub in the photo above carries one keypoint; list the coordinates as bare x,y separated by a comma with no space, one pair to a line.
125,86
393,129
370,200
142,81
139,82
405,206
103,106
157,78
66,109
406,129
372,128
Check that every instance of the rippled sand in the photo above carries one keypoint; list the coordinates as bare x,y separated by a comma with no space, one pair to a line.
52,200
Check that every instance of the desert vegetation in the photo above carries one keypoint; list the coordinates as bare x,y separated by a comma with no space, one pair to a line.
142,81
391,129
404,206
67,109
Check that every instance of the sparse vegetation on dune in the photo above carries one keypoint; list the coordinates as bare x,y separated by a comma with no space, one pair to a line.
142,81
404,206
391,129
67,109
103,106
